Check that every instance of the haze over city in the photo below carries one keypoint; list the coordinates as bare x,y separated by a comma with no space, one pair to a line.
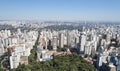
90,10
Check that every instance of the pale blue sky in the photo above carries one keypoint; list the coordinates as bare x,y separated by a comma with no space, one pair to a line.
91,10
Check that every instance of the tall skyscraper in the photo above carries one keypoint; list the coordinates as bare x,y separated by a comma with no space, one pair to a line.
54,43
61,40
82,41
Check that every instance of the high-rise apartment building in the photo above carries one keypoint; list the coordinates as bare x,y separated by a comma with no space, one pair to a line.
82,41
61,40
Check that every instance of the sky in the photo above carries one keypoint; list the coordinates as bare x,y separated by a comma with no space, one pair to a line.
91,10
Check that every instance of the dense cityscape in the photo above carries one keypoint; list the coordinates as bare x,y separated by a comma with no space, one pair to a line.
59,46
59,35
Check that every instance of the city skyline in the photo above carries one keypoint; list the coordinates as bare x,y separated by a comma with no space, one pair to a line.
90,10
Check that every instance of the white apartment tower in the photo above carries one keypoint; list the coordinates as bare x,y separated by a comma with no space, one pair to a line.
54,43
82,42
